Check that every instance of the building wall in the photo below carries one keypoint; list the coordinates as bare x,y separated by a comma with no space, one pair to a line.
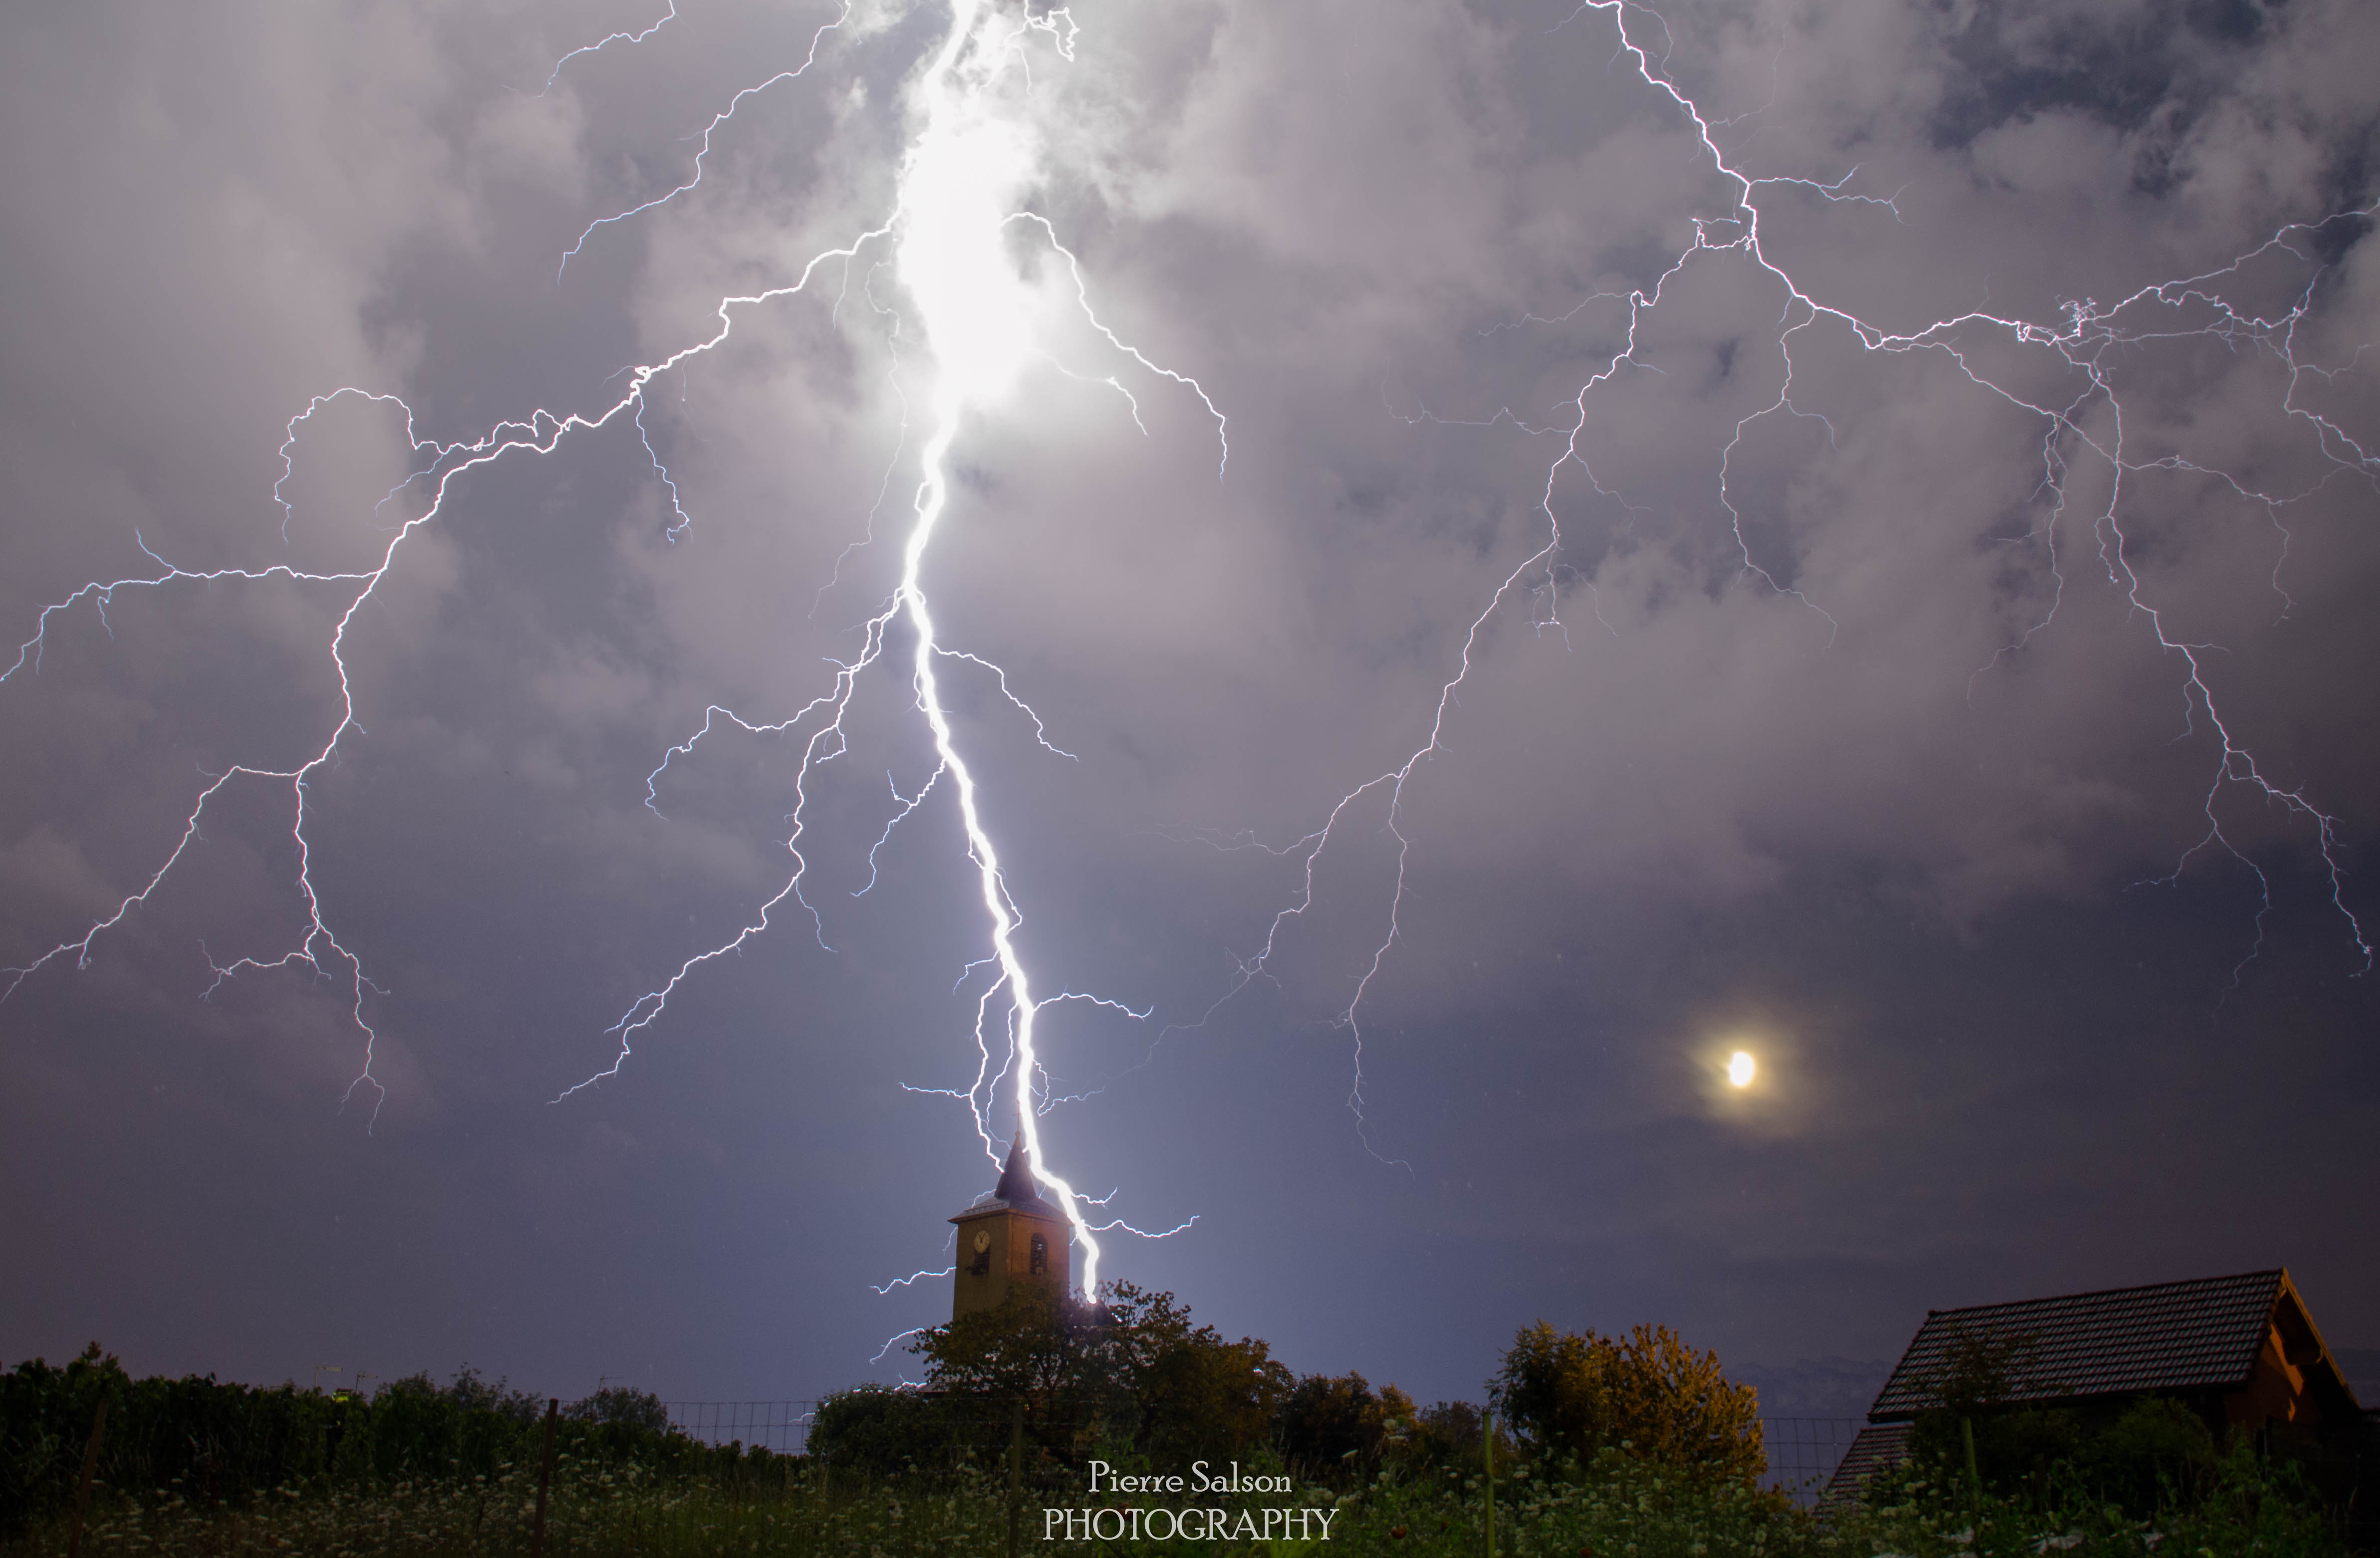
1009,1258
2293,1388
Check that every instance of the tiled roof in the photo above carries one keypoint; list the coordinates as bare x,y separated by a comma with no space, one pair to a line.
1879,1447
2176,1335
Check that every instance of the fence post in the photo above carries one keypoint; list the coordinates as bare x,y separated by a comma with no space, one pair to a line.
544,1481
90,1465
1487,1452
1015,1473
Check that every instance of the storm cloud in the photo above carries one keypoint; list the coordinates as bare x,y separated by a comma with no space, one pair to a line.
1849,724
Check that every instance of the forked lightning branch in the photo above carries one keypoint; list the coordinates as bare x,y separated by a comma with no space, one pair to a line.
970,322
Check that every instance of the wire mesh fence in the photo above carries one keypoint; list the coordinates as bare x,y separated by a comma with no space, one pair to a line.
782,1426
1804,1453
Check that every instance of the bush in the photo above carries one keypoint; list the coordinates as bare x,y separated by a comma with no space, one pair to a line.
210,1444
1130,1376
617,1405
879,1431
2146,1457
1443,1439
1574,1394
2245,1505
1335,1426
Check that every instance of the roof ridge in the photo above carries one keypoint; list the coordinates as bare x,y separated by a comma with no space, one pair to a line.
2278,1273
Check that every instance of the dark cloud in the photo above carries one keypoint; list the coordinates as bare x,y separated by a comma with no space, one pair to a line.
1914,805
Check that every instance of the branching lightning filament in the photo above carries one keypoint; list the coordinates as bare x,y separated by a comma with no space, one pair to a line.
2089,339
968,320
970,163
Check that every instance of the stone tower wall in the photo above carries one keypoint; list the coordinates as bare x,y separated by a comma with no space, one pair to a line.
1009,1260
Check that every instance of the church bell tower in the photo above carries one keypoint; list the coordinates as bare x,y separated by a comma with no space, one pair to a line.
1009,1238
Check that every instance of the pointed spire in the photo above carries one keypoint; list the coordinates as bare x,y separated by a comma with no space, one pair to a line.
1016,1186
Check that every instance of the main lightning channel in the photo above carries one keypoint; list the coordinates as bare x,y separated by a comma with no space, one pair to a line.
960,177
957,195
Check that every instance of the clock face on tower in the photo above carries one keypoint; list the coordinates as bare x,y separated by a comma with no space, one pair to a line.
982,1240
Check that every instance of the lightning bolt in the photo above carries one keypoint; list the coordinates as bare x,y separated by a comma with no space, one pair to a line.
702,155
320,948
904,1281
667,17
2088,339
962,181
967,165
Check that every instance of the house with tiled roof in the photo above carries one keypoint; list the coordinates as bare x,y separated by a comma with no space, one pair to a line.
2238,1351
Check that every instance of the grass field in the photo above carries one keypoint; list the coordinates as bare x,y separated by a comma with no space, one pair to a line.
1620,1509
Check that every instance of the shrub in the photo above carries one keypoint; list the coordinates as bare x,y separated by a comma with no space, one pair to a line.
1130,1375
1336,1426
1443,1439
879,1430
209,1443
1572,1394
616,1406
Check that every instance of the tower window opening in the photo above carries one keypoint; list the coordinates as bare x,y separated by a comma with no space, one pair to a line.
1041,1255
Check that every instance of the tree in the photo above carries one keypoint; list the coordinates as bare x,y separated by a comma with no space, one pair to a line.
2155,1452
881,1430
2152,1451
1444,1437
619,1404
1576,1394
1205,1396
1971,1428
1131,1370
470,1393
1332,1424
1036,1344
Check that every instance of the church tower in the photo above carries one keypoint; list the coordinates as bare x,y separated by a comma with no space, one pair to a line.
1007,1238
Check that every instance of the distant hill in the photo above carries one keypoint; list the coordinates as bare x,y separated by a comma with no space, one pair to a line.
1823,1387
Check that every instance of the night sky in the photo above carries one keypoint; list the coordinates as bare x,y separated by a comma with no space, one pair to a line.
1837,728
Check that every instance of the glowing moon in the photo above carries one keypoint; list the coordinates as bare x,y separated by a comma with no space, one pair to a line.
1739,1068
